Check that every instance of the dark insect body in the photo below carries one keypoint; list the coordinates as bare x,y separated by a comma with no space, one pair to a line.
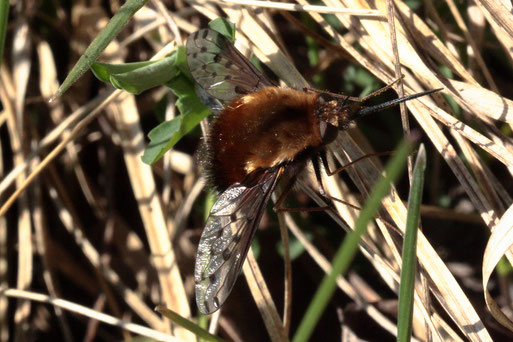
261,132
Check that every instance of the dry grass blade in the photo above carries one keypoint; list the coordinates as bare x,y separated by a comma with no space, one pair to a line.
4,304
41,244
498,151
263,299
499,14
398,74
475,48
24,225
482,102
496,15
130,231
449,154
4,322
170,22
55,152
68,217
499,244
143,186
82,310
447,289
287,296
444,286
369,249
70,121
305,8
341,282
21,68
423,36
373,44
48,85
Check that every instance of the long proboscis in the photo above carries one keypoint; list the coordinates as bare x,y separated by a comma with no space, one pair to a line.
388,104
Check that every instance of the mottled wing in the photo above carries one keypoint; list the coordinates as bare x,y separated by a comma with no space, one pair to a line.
227,236
208,100
219,68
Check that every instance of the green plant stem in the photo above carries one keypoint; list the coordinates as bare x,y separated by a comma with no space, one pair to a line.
4,15
187,324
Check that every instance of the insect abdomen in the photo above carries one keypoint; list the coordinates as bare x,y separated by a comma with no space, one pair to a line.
261,130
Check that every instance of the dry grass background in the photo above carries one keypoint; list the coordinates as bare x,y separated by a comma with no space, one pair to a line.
101,234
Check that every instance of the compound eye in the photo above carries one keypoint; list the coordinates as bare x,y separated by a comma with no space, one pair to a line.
328,132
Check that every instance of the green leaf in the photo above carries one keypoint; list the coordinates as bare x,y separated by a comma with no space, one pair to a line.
137,77
160,137
192,110
160,107
181,62
167,134
117,22
191,326
149,76
103,71
409,257
182,86
225,27
349,246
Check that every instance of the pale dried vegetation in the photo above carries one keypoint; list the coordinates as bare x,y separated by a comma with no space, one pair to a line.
95,231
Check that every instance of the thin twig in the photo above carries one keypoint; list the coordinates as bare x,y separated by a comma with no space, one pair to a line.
398,74
169,20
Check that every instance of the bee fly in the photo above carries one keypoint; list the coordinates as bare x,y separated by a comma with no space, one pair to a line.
261,132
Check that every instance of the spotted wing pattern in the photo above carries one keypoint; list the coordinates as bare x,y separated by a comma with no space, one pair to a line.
227,236
219,68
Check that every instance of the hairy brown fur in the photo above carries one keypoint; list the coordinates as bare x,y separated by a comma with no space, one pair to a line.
261,130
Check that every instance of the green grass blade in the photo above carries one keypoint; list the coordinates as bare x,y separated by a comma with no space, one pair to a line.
203,324
408,270
349,246
184,322
4,15
99,44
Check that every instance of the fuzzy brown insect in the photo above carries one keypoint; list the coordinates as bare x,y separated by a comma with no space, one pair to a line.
261,133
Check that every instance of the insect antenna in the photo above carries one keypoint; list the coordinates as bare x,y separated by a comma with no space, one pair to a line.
368,110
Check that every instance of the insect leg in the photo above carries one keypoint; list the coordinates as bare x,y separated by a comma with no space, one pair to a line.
357,99
343,167
317,170
322,156
377,92
288,187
